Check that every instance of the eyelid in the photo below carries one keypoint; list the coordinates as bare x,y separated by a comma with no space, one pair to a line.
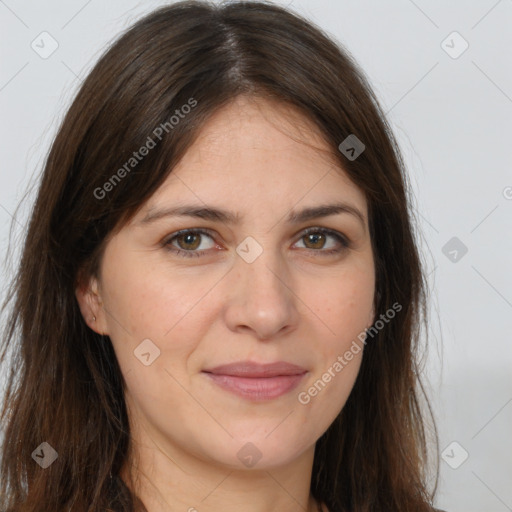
203,231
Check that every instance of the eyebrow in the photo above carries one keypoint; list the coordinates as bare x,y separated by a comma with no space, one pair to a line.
227,217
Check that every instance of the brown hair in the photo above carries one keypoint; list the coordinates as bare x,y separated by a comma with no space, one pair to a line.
65,386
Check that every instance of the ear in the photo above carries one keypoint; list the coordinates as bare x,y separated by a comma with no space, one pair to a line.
91,305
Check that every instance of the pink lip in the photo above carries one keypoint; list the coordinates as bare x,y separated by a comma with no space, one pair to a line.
257,381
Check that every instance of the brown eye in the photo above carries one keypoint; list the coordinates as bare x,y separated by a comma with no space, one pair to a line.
188,241
315,240
324,241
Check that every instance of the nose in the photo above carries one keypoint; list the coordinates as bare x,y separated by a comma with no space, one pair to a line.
261,299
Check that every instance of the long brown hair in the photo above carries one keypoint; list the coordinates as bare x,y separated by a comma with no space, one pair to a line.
65,386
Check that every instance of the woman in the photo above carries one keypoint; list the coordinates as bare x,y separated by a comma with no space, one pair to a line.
219,299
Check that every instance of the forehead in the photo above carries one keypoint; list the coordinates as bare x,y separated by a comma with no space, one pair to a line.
262,129
258,150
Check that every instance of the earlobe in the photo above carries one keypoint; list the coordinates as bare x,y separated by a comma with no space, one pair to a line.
91,305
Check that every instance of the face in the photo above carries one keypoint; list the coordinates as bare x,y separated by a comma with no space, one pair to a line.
230,316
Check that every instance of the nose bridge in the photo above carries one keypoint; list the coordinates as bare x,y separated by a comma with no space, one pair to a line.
260,296
261,270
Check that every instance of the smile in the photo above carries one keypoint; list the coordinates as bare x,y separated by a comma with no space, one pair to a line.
255,381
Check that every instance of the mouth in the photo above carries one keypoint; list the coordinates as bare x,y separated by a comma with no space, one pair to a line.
254,381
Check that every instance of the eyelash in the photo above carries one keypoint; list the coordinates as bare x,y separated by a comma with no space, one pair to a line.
343,241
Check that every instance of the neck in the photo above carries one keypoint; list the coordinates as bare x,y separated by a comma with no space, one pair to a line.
170,480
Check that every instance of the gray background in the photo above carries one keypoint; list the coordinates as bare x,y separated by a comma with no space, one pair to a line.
452,115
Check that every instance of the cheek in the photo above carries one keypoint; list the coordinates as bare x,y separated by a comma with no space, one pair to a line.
345,308
145,301
345,305
145,298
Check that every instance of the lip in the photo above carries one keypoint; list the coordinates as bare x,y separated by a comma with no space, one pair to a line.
251,369
255,381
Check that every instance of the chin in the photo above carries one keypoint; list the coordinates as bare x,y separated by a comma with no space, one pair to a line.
257,452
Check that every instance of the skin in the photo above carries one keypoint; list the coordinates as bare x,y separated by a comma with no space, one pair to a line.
293,303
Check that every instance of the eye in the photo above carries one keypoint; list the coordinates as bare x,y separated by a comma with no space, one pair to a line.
189,242
197,242
324,241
